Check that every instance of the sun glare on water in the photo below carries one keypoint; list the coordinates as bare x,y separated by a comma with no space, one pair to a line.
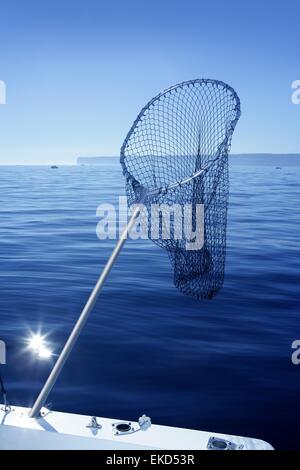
38,346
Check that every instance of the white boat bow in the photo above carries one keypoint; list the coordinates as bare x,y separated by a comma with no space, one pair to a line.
67,431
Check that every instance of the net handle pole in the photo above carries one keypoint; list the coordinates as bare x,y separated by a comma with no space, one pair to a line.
40,401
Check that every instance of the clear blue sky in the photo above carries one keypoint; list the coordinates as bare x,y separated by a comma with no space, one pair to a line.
78,72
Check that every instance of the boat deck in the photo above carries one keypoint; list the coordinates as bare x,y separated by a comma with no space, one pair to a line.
57,430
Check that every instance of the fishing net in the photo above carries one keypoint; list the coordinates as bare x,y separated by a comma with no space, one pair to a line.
175,161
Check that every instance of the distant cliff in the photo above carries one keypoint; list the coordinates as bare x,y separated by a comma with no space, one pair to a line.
266,159
92,160
288,159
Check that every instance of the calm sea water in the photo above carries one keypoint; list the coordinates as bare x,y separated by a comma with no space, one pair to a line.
222,365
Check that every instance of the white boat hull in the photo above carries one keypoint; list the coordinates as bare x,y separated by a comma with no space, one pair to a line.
67,431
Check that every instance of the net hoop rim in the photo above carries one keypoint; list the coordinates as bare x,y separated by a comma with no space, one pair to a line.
201,81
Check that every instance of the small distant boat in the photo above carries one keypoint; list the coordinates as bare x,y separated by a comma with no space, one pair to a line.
278,168
54,166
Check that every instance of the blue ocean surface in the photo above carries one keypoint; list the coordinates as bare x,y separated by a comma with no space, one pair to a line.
222,365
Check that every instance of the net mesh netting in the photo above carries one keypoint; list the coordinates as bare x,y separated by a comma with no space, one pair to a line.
175,160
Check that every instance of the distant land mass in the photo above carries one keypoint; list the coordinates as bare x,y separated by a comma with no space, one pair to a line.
288,159
91,160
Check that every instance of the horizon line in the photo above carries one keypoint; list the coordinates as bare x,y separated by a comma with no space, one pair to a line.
293,154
